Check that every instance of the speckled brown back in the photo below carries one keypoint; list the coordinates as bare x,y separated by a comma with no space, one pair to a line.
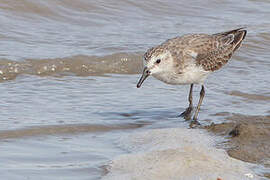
219,50
212,51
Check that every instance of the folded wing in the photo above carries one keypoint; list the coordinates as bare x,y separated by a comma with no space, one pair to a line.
213,51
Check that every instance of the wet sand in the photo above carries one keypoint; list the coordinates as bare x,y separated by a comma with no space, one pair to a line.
64,129
247,137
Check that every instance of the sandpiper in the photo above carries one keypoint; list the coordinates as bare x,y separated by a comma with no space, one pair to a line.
189,59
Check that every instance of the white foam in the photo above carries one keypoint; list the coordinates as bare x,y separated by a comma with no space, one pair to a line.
175,154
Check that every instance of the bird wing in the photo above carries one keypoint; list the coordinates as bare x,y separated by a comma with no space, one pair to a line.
213,51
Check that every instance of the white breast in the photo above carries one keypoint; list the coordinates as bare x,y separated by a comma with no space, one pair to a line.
190,75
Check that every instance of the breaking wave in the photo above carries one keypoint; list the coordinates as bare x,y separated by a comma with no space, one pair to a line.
120,63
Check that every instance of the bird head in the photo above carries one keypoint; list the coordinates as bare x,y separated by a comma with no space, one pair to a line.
156,61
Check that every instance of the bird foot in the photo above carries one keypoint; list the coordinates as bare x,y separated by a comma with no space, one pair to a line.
194,124
187,113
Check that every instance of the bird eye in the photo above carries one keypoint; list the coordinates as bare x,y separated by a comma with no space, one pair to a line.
158,61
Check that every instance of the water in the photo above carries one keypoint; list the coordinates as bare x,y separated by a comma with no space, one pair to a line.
68,73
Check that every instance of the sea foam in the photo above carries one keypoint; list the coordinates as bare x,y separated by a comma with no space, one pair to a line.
175,154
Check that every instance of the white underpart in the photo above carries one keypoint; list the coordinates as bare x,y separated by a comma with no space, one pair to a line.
192,74
167,72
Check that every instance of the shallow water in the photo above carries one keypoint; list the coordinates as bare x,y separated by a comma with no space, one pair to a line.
68,73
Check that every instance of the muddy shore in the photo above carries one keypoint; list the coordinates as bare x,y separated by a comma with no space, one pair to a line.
247,137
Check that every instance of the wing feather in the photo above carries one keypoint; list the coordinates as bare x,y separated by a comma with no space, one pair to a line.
213,51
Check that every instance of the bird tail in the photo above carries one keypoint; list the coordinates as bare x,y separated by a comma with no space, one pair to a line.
236,37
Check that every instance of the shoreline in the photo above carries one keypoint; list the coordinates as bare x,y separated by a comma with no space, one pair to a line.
247,138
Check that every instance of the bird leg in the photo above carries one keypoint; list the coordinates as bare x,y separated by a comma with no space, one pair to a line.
202,93
188,112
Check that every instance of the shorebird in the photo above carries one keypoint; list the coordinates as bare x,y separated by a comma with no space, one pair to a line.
189,59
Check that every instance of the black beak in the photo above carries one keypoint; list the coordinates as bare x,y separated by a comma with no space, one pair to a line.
145,74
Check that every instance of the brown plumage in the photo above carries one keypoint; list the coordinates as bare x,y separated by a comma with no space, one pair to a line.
212,51
219,49
189,59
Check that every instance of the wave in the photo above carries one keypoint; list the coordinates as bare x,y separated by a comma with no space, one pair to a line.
64,129
80,65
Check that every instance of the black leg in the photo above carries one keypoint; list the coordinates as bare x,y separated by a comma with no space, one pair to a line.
202,93
188,112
